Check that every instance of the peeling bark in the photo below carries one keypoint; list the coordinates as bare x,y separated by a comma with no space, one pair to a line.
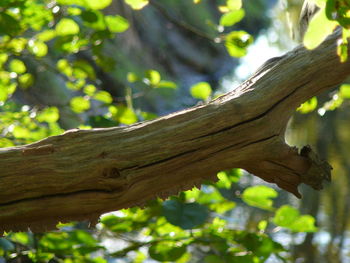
83,173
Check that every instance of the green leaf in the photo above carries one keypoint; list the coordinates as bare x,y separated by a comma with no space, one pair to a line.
72,2
116,24
103,96
89,90
167,85
67,26
308,106
26,80
166,251
148,115
184,215
79,104
304,223
285,216
24,238
201,90
153,77
64,66
342,45
132,77
8,24
3,58
231,18
3,93
259,196
214,259
94,19
123,114
17,66
237,43
98,4
4,142
224,181
37,48
21,132
262,225
6,245
289,217
137,4
82,69
234,4
344,91
319,28
49,115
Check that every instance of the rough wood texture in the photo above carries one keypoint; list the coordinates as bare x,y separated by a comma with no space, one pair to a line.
83,173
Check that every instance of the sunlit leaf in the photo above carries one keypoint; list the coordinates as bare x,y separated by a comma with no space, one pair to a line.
3,58
344,91
17,45
21,132
153,77
319,28
64,66
67,26
231,18
148,115
74,11
304,223
24,238
237,43
201,90
289,217
262,225
84,68
89,89
17,66
308,106
234,4
98,4
132,77
103,96
94,19
137,4
79,104
123,114
116,24
285,216
259,196
3,93
167,84
4,142
37,48
342,45
72,2
224,181
49,115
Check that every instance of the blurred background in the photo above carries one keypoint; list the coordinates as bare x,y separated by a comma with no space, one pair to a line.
68,64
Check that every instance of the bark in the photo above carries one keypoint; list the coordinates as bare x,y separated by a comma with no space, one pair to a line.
83,173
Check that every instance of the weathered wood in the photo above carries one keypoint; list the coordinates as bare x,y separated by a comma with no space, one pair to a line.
83,173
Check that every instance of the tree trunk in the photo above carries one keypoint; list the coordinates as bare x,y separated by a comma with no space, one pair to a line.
83,173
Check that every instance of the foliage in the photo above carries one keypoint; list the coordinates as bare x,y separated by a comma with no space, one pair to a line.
197,223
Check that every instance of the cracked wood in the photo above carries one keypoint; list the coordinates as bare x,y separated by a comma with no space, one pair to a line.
82,173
